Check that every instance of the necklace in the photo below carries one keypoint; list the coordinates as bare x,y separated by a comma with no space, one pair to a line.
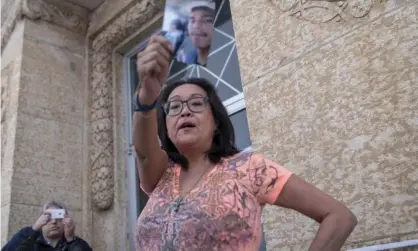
181,199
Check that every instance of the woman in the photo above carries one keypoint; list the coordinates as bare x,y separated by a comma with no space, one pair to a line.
204,194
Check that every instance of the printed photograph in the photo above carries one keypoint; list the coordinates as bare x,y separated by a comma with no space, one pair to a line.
189,25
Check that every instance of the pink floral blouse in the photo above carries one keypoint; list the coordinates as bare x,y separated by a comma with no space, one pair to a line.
223,211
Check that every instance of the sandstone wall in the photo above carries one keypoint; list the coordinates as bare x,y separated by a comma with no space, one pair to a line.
331,92
43,121
10,84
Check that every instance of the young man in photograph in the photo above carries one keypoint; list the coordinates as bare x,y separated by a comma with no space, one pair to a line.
200,29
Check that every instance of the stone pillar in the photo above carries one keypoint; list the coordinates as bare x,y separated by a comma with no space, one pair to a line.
10,84
107,118
43,104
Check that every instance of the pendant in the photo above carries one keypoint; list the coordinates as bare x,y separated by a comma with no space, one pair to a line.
177,203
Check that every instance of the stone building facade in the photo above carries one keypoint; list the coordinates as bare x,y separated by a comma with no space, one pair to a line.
330,90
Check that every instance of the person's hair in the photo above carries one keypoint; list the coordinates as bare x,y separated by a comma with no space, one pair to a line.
178,24
223,144
203,8
53,203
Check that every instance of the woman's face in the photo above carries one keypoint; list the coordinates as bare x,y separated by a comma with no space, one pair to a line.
190,122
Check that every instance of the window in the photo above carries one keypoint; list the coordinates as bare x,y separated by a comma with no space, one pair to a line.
222,70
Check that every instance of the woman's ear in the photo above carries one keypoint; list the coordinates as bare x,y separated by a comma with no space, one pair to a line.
216,128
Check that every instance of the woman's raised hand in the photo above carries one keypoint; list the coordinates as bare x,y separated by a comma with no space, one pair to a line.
152,67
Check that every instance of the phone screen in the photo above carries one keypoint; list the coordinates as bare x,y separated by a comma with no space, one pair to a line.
57,213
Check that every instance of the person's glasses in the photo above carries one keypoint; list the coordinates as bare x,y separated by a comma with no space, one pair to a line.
195,104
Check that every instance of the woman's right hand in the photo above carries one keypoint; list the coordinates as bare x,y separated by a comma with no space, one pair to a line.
152,67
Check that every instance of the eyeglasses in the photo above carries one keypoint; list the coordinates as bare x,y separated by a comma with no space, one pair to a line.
195,104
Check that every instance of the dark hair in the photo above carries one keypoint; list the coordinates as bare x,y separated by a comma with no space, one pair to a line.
53,203
203,8
178,24
223,144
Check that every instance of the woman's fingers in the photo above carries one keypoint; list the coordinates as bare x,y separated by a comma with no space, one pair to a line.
161,48
153,61
160,44
154,49
153,56
166,44
154,68
151,68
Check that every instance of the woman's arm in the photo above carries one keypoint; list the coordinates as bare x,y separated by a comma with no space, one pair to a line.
151,159
336,220
153,67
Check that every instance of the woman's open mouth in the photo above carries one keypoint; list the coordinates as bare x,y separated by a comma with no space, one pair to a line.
186,125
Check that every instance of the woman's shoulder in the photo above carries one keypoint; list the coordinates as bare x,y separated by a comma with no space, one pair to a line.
240,157
244,158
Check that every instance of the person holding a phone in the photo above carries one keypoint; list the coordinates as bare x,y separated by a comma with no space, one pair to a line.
203,193
175,34
53,230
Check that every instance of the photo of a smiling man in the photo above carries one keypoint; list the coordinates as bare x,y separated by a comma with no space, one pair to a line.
192,37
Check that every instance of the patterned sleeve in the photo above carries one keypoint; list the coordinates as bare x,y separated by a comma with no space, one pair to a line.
267,178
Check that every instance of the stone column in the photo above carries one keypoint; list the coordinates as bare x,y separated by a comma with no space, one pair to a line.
43,103
108,170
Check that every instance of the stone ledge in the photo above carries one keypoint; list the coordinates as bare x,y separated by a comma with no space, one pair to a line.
63,14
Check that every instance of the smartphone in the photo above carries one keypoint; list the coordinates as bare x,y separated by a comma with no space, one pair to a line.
57,213
176,39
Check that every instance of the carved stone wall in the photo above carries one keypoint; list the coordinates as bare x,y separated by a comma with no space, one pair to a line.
40,10
105,153
103,44
43,105
322,11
